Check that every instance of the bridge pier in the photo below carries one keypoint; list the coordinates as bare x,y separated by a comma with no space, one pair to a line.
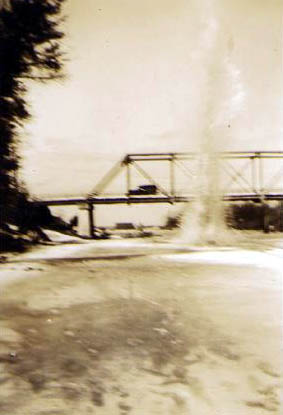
266,217
281,216
90,210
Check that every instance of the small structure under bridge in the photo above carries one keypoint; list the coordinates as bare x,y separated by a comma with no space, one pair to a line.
172,178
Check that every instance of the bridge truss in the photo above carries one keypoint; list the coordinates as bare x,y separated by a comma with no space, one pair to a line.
243,176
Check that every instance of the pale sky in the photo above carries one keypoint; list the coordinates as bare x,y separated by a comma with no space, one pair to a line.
140,76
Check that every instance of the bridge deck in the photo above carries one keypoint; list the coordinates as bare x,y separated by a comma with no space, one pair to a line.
152,199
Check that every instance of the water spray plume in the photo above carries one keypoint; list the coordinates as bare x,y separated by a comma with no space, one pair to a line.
221,98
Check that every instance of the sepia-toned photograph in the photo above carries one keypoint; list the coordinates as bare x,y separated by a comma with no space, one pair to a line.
141,207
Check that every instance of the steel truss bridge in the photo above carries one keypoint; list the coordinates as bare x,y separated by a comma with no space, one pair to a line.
244,176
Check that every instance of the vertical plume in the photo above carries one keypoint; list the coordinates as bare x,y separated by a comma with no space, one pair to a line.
220,98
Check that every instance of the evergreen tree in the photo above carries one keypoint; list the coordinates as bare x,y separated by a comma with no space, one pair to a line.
29,50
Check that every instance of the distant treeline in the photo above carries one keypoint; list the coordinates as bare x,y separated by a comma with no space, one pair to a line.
255,216
248,216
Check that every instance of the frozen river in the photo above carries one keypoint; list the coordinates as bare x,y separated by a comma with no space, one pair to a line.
137,326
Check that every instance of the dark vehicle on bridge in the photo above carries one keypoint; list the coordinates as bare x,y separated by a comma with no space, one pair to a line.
147,189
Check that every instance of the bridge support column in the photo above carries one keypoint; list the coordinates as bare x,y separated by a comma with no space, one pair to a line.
90,210
172,175
265,217
281,216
